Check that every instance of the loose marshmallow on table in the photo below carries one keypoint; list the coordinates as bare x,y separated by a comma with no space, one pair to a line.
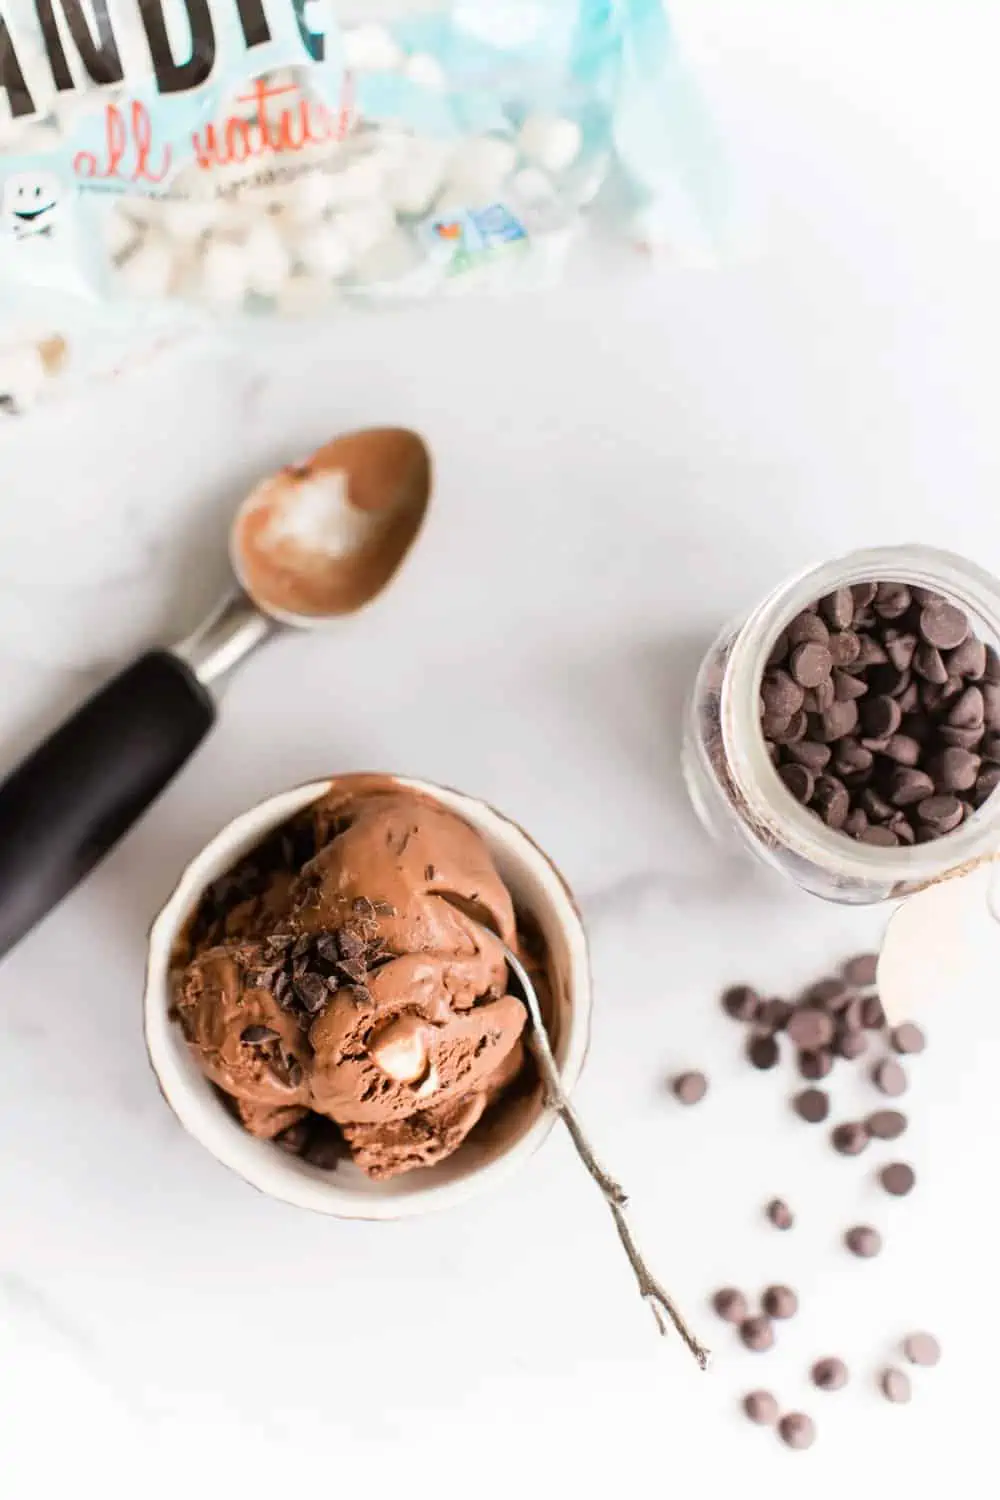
551,142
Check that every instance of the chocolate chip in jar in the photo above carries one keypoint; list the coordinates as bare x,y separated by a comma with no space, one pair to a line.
897,710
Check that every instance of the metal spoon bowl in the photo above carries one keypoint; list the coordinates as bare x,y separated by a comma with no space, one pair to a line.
74,797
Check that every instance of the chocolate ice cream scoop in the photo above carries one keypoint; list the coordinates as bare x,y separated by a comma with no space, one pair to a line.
364,986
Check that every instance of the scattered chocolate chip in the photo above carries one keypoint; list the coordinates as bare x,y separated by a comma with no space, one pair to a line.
757,1333
258,1036
690,1088
812,1105
889,1077
851,1044
908,1037
922,1349
762,1051
815,1065
797,1430
780,1214
761,1407
730,1305
833,993
895,1386
774,1014
861,970
741,1002
886,1124
829,1374
849,1138
898,1178
810,1028
872,1014
863,1241
780,1302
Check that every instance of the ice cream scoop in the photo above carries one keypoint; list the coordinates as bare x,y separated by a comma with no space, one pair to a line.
316,541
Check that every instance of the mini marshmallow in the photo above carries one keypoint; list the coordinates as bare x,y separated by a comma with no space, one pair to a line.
363,228
22,376
413,185
120,233
268,261
551,142
324,251
149,271
479,165
393,257
223,273
371,49
425,71
361,180
187,219
532,186
307,197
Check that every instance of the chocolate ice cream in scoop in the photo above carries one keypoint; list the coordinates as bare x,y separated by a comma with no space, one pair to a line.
353,970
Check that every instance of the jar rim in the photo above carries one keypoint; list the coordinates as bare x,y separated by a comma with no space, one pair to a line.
768,801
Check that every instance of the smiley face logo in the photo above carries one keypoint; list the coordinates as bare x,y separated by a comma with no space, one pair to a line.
31,204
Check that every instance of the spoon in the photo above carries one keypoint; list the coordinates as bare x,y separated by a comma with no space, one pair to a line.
312,543
538,1040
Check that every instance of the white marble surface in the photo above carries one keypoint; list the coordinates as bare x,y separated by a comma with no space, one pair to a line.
619,471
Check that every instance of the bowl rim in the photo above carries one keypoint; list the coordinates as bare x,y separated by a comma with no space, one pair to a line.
284,1183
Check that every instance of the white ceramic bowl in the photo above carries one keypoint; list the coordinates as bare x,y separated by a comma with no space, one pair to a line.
512,1132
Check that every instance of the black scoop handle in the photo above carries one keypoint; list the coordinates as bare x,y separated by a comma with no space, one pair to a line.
74,797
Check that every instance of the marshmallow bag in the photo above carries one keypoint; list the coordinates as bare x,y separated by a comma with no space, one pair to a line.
279,156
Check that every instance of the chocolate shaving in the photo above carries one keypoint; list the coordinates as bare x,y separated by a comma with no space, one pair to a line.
258,1036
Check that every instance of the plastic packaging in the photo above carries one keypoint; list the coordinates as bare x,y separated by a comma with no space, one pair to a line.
279,155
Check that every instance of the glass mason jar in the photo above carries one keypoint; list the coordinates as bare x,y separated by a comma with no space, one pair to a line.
733,783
